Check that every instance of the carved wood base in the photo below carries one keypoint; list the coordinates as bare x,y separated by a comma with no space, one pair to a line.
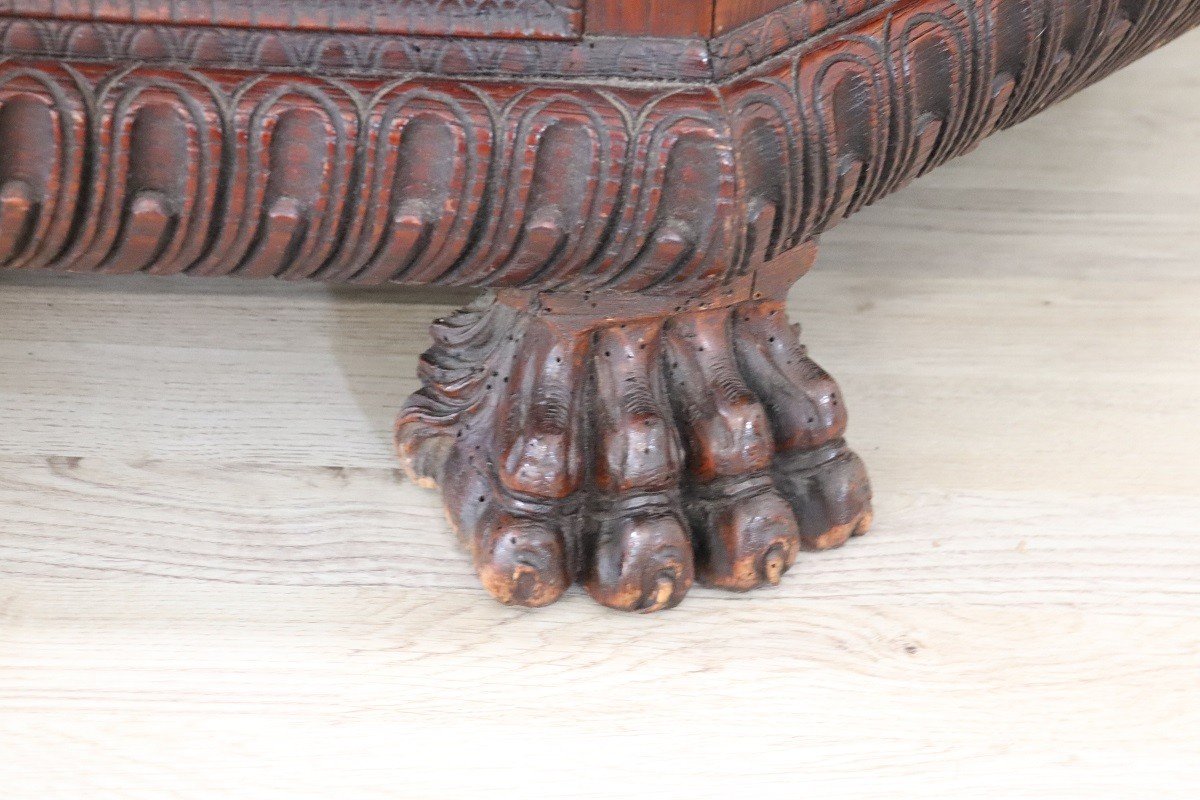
638,181
631,444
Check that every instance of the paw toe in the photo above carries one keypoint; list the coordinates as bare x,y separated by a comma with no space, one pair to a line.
832,499
641,563
522,562
746,542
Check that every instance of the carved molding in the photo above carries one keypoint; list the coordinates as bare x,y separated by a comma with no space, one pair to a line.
354,54
369,52
418,181
558,185
825,131
517,18
800,27
785,27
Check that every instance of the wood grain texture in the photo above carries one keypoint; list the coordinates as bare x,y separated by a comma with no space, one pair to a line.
729,14
215,583
651,17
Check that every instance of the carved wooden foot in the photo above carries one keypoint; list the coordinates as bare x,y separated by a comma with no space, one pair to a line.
632,445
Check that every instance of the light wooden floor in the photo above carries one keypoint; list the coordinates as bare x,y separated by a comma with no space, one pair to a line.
215,584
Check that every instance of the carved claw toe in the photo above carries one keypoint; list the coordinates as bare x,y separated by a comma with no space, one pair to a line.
634,453
521,562
745,542
830,493
640,563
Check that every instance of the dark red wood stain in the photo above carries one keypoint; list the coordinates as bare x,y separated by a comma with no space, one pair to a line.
632,410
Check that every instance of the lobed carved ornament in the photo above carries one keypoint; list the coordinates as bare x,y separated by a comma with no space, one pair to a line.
568,186
414,181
